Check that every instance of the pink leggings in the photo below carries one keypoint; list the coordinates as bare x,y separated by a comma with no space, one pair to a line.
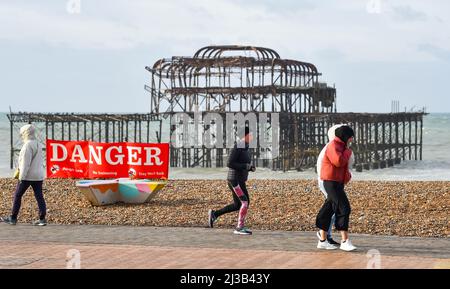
241,202
244,205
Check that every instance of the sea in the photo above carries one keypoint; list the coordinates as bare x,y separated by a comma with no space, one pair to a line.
435,165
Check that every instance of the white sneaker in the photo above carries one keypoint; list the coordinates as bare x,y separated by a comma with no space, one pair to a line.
347,246
325,245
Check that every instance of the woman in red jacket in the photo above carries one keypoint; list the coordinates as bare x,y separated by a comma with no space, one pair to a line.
335,174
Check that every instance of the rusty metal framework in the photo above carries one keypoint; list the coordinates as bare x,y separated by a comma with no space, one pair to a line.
224,79
231,79
237,78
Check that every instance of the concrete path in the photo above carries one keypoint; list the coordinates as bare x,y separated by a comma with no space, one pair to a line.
88,246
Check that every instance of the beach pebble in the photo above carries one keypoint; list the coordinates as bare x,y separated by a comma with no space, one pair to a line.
378,207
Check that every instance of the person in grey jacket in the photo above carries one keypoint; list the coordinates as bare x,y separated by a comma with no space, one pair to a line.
239,164
31,173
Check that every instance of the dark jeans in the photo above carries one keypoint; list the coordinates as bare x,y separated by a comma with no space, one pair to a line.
336,203
21,188
236,205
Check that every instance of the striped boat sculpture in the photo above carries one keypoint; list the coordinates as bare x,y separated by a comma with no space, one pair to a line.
106,192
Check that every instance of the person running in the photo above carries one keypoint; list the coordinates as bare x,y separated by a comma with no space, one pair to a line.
31,173
331,136
334,172
239,164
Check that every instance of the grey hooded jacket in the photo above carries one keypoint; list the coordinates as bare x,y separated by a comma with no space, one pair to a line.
31,163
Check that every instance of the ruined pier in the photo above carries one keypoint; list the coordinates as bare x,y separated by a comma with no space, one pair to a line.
240,79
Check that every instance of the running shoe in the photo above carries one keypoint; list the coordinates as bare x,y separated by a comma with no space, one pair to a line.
42,222
211,218
325,245
8,220
347,246
242,231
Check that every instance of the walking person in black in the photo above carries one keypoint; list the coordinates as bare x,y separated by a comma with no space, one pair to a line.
239,165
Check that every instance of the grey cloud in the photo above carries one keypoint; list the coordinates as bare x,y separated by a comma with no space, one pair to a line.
330,54
280,6
439,53
407,13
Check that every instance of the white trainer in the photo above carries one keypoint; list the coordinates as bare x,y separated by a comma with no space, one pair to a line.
347,246
325,245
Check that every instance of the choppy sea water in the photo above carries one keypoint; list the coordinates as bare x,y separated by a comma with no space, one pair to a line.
435,166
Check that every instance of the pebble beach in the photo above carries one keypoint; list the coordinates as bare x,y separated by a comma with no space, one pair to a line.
378,207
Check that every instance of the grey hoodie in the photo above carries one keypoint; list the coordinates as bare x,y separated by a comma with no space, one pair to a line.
31,163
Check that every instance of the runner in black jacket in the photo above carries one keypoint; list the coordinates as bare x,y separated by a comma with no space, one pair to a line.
239,164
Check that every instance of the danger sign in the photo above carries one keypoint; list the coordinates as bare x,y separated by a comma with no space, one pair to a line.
91,160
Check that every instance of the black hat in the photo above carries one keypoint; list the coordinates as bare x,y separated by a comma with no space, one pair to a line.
344,133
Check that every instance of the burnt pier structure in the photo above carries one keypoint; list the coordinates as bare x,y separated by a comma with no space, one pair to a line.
222,80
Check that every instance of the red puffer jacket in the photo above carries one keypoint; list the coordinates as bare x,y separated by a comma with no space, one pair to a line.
335,162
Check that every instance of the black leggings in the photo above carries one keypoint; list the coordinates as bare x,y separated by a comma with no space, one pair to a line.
336,203
236,205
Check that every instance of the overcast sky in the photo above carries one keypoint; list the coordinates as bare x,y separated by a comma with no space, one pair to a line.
58,56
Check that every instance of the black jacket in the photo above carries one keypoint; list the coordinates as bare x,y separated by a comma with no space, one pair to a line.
239,163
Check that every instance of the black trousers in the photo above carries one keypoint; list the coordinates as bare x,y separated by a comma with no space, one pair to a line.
21,188
236,205
336,203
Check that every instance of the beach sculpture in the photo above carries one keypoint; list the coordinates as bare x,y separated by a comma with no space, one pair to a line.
106,192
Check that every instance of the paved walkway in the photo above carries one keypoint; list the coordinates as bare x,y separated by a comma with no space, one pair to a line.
56,246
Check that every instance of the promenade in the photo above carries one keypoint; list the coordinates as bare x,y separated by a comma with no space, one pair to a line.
26,246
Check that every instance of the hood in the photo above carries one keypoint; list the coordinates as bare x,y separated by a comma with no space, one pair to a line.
344,133
27,132
331,131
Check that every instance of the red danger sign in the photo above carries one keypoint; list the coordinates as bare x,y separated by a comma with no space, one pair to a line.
91,160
